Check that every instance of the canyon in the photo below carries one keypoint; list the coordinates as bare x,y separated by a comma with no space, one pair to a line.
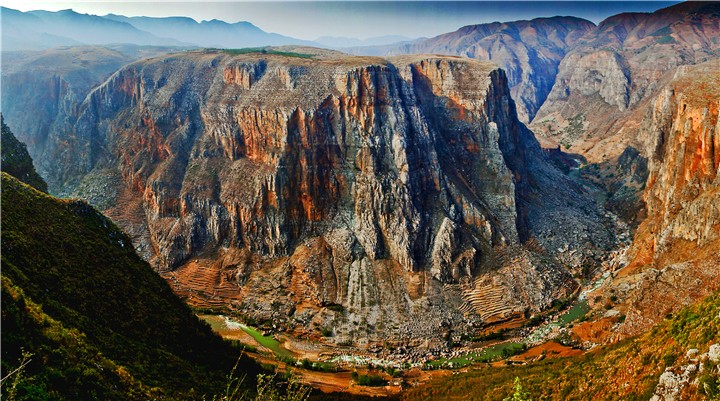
334,191
435,197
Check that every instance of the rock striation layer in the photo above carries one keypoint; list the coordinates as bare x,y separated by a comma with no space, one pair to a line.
528,51
674,256
310,188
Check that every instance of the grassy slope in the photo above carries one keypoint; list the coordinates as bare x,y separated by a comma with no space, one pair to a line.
65,263
628,370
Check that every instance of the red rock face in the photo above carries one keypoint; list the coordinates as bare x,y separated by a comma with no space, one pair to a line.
528,51
674,258
682,189
282,185
287,164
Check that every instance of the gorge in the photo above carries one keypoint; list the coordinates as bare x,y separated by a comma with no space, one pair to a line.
436,197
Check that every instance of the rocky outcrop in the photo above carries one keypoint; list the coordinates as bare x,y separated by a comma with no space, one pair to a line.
41,95
615,69
694,377
16,161
381,185
528,51
674,257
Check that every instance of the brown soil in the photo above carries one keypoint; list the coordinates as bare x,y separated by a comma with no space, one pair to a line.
598,331
550,349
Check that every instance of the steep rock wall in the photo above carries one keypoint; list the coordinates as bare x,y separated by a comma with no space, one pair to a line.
529,52
674,259
285,185
615,69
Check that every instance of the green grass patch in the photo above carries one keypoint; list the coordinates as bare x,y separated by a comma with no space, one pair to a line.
493,353
666,40
369,380
268,342
217,323
577,312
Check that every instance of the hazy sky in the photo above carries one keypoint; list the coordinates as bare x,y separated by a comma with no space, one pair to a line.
360,19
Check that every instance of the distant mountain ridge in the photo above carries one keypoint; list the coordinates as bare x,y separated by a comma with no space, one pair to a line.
339,42
37,30
213,33
529,51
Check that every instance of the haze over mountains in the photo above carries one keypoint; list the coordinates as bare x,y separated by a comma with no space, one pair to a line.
36,30
340,42
412,201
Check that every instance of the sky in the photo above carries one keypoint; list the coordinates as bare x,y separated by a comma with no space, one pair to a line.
359,19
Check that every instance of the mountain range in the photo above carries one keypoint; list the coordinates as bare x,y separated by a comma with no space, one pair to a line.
414,201
37,30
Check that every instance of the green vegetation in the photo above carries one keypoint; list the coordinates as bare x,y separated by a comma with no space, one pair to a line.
283,354
666,40
336,308
16,160
636,362
662,32
709,383
268,389
268,342
64,365
575,128
369,380
518,393
99,322
489,354
263,50
495,335
577,312
318,366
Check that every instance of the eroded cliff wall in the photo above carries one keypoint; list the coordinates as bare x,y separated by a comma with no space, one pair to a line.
674,258
403,190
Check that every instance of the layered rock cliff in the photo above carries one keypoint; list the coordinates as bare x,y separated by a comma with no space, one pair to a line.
616,68
284,184
528,51
41,94
674,258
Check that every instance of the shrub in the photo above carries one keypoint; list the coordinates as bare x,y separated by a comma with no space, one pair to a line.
518,393
371,380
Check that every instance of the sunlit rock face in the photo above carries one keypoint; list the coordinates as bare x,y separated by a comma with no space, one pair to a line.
674,259
401,189
529,52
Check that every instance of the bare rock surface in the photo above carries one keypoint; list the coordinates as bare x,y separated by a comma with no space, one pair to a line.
529,52
310,188
674,259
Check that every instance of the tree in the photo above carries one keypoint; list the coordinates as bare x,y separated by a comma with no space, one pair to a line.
518,393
